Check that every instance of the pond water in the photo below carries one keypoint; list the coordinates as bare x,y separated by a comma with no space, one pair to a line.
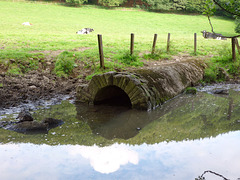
179,140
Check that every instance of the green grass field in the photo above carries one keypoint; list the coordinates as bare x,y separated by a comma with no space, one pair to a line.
54,28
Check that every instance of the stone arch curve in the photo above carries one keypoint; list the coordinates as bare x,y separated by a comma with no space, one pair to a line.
129,83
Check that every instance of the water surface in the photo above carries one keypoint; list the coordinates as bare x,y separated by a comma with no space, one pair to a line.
180,140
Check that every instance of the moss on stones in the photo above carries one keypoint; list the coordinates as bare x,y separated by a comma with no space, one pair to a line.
146,88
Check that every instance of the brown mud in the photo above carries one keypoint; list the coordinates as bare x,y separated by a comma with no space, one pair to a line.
17,89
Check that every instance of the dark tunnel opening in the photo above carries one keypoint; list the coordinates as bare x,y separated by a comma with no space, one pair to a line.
112,96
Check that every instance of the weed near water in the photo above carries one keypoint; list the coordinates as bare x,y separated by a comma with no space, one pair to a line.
20,62
221,65
130,59
64,64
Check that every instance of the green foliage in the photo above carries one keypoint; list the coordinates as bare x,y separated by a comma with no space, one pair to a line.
64,64
14,70
111,2
210,74
222,61
191,90
224,8
179,4
76,2
237,27
234,68
108,66
195,6
130,60
159,4
209,8
231,7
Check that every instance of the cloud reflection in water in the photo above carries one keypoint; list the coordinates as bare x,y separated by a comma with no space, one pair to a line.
170,161
106,159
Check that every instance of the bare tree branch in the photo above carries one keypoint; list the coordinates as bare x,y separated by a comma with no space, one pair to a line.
214,174
232,36
225,8
209,20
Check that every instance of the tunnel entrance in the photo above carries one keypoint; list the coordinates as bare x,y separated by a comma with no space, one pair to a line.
113,96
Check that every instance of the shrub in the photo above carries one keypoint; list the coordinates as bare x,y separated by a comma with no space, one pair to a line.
131,60
64,64
195,6
76,2
210,74
179,4
159,4
222,66
111,2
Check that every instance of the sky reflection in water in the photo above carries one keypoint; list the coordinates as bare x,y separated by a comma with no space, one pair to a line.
172,160
211,123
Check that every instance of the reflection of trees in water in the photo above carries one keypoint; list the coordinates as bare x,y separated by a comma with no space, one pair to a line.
230,108
195,117
184,117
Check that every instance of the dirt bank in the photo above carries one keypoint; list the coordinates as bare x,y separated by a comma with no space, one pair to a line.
16,89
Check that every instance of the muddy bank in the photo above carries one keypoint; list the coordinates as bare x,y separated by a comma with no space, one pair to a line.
17,89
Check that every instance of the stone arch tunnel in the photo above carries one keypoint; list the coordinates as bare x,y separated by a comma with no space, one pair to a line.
144,88
112,95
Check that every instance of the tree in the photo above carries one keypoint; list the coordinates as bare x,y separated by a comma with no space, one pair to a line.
230,6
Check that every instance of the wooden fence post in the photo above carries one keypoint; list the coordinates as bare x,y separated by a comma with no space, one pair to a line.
168,42
233,49
100,47
132,44
154,43
195,43
238,47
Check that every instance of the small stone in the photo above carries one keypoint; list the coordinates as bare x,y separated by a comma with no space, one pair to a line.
221,91
32,87
24,116
191,90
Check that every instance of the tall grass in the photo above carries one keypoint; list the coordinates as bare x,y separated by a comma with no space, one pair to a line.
54,28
